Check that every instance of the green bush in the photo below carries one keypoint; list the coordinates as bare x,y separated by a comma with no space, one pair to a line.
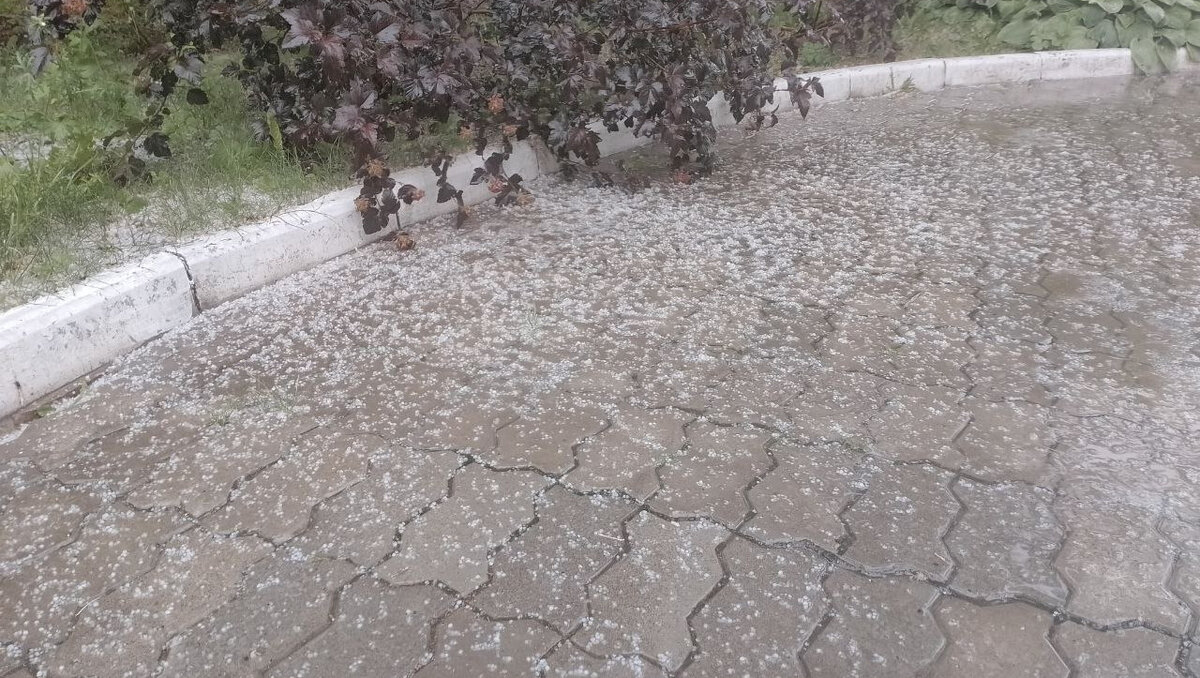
1154,30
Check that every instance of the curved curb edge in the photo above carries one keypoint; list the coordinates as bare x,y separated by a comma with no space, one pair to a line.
52,342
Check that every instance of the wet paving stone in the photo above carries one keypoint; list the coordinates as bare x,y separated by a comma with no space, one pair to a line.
803,498
378,631
453,541
1122,653
568,661
998,641
543,573
638,610
122,633
918,400
512,648
296,597
876,627
277,503
707,478
1005,543
758,622
920,423
898,523
1119,567
45,597
625,456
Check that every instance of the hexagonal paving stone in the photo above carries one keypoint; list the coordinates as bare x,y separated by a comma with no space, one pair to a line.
756,392
452,542
1000,641
1008,370
39,516
640,605
757,623
941,306
379,631
361,523
199,476
802,498
544,439
291,600
835,406
278,502
568,661
1005,543
106,407
543,572
1118,567
466,644
123,632
898,524
1123,653
932,356
43,598
919,423
860,343
124,459
708,478
877,627
624,457
1008,441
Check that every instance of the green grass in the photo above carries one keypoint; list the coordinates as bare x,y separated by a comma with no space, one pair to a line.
62,218
931,29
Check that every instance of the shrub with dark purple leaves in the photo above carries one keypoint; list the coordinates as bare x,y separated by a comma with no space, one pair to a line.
363,72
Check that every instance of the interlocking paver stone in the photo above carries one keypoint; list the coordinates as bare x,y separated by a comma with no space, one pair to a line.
468,645
999,641
708,477
199,476
803,498
877,627
625,456
568,661
40,516
757,623
941,347
452,542
1005,543
277,503
544,439
379,631
898,524
296,595
361,523
123,632
636,608
43,598
1121,653
543,572
1118,567
835,406
919,423
1008,441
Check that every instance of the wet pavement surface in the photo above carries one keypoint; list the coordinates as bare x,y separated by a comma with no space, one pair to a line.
909,389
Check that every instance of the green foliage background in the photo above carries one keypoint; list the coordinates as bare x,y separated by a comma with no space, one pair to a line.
1154,30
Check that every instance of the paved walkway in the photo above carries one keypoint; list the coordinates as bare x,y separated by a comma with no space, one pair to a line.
908,390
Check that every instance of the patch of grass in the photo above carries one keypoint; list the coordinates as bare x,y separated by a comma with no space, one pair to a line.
815,56
932,29
61,216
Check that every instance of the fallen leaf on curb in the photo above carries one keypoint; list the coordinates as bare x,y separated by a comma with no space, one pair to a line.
405,242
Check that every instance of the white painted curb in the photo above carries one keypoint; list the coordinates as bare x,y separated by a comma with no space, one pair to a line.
51,342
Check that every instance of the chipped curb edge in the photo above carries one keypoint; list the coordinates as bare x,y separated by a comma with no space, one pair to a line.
49,344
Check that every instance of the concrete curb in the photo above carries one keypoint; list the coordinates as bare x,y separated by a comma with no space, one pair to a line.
49,343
